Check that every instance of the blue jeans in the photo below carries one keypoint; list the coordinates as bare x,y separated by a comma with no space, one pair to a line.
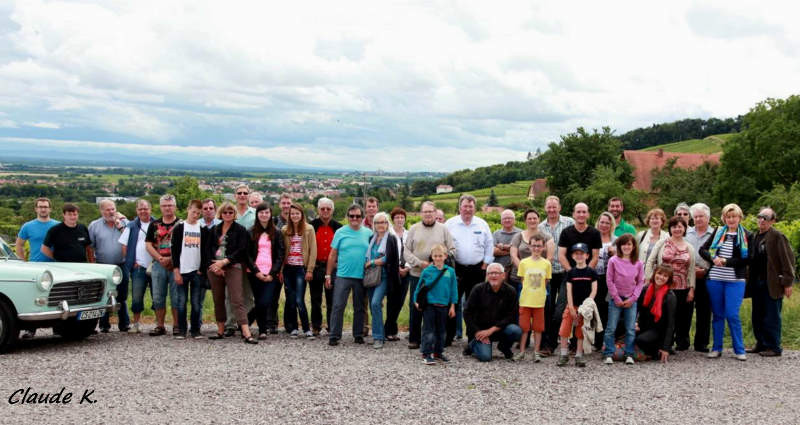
191,282
294,279
434,320
139,281
505,340
122,298
163,281
726,299
766,318
629,316
375,296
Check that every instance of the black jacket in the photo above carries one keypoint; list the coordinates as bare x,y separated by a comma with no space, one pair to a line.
236,249
486,308
277,254
738,263
392,265
177,247
666,326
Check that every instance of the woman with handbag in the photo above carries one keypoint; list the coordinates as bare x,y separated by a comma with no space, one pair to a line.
298,269
381,271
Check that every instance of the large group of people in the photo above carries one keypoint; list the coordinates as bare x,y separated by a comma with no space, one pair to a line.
560,284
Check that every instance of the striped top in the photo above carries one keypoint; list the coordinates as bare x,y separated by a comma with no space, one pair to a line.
724,273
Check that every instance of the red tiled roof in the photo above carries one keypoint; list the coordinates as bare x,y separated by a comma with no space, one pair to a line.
644,162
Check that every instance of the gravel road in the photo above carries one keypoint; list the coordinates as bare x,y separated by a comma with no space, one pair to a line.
141,379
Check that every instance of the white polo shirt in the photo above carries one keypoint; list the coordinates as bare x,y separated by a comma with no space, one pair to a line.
473,242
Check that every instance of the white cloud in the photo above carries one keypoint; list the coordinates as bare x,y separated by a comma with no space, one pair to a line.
456,78
42,124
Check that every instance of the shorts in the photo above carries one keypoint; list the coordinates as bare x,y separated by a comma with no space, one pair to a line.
528,315
566,325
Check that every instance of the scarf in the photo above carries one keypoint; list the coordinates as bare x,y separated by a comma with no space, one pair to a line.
655,309
719,239
381,246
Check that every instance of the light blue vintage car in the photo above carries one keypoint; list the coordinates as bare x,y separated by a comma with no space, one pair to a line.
68,297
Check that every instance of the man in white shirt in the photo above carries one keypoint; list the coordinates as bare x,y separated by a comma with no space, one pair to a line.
137,259
474,251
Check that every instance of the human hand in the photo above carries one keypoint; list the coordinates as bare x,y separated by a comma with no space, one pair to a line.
309,276
452,312
178,278
787,291
620,304
328,282
719,261
424,264
690,295
664,355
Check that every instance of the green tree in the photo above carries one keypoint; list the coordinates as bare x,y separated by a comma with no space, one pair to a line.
573,160
186,189
765,153
492,202
606,183
675,184
785,203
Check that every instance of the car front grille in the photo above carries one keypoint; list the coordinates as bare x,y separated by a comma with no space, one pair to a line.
76,293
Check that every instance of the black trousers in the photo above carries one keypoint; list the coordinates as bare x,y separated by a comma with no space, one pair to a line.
650,341
702,323
552,314
317,288
395,298
602,307
683,318
468,276
272,312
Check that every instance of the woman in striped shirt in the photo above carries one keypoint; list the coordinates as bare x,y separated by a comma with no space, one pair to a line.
727,250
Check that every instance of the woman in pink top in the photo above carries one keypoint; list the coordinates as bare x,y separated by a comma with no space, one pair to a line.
678,254
265,255
624,279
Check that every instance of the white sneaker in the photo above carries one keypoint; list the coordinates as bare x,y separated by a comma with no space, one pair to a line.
295,333
714,354
741,357
134,329
309,335
537,357
608,360
629,360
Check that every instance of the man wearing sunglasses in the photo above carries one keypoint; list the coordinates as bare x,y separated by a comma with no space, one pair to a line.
348,250
324,229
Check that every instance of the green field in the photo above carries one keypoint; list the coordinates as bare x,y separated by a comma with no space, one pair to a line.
711,144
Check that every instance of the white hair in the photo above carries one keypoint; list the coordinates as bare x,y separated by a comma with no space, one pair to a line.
700,207
325,201
384,216
497,265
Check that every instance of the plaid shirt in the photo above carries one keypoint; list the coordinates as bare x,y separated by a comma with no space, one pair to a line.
555,232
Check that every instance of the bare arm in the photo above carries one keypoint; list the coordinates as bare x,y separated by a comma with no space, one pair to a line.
550,250
47,251
152,251
562,258
20,248
595,258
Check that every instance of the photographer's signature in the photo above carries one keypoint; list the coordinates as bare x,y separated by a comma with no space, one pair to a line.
30,396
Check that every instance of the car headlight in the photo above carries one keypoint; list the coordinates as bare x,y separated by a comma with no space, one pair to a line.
116,276
45,281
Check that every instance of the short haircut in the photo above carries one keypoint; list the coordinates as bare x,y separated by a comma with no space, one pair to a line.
675,220
682,206
43,199
731,208
552,198
106,202
397,211
624,239
325,201
539,236
166,198
207,200
507,212
530,211
285,196
766,207
384,216
69,207
438,249
355,207
372,200
195,203
242,186
467,197
657,212
616,199
143,201
700,207
256,194
427,203
496,266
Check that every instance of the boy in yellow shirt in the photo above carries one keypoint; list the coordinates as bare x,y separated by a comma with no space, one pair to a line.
536,273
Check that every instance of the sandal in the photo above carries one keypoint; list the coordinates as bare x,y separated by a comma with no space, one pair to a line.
250,340
217,336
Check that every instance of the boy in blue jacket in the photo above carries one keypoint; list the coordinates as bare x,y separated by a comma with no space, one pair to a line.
442,296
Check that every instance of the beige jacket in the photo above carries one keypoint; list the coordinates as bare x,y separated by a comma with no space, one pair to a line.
309,246
591,323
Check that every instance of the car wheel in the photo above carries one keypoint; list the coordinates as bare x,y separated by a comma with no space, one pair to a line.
9,331
75,329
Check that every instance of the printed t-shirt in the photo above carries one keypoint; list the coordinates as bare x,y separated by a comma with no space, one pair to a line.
534,274
581,280
190,251
160,235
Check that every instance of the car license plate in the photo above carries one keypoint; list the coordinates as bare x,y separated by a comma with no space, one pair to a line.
90,314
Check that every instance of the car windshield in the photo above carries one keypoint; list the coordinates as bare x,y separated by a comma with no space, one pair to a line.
6,253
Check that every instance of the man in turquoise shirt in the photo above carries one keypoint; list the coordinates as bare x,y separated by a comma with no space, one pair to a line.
348,254
615,207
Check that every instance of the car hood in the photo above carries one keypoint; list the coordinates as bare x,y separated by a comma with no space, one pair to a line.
62,272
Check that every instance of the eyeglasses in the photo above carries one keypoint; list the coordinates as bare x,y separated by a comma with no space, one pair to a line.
354,216
763,217
683,214
228,212
208,208
325,208
241,193
380,222
494,273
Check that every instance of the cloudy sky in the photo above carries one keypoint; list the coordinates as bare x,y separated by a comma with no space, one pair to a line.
429,85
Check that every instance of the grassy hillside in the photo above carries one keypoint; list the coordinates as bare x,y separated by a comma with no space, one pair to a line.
506,194
711,144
